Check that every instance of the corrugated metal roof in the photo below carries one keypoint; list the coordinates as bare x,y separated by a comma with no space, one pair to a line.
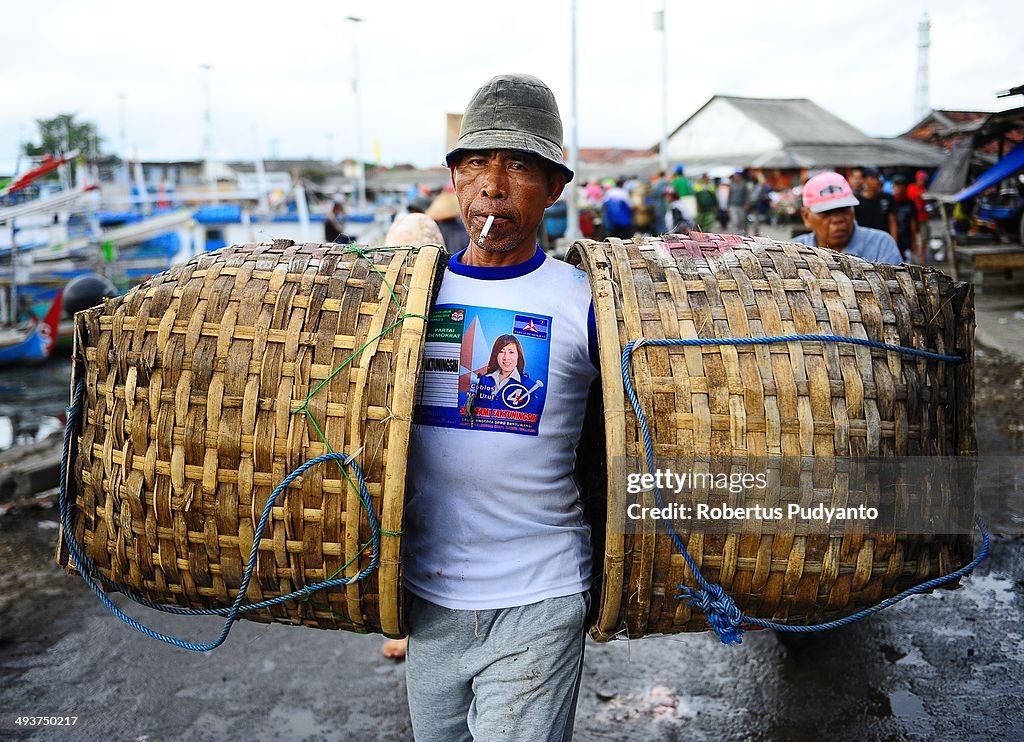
873,153
812,138
798,121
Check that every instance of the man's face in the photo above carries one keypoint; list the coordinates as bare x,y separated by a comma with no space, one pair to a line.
872,185
856,179
514,187
832,229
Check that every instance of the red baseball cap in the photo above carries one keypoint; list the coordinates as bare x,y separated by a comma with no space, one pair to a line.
827,191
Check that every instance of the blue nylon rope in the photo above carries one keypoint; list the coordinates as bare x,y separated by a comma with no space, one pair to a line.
97,581
724,616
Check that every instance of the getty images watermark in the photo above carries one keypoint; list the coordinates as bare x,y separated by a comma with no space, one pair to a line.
668,480
802,495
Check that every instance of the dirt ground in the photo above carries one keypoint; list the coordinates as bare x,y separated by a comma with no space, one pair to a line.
942,666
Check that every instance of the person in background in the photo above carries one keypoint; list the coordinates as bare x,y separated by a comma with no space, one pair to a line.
680,183
915,192
707,203
334,224
722,191
856,180
903,221
684,191
886,183
657,200
875,206
760,202
643,208
677,218
618,212
445,211
418,205
828,212
739,202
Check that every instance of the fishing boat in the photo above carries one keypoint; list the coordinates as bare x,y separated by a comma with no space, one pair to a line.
33,343
53,234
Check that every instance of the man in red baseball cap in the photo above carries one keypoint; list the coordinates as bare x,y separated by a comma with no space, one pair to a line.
828,213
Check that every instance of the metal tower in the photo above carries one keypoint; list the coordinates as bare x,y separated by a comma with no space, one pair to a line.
921,105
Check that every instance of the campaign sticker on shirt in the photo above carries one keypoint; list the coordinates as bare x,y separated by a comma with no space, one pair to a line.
531,326
484,369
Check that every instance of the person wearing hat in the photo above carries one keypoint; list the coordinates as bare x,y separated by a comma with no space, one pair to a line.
828,213
496,552
418,205
684,190
445,211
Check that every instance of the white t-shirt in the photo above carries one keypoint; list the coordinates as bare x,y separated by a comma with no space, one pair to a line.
493,516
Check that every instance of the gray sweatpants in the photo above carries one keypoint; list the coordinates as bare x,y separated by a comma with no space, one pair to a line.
510,673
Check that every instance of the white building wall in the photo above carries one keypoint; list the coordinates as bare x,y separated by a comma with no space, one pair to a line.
717,132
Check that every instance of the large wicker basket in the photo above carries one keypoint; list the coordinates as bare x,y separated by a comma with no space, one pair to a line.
206,386
796,399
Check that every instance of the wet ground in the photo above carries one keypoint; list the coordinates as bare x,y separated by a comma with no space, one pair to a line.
942,666
32,402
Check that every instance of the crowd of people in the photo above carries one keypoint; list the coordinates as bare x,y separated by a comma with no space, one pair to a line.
674,202
745,201
671,202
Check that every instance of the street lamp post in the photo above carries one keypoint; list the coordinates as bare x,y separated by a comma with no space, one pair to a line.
211,178
124,139
572,229
360,168
663,149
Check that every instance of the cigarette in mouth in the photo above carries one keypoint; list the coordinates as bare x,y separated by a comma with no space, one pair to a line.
487,226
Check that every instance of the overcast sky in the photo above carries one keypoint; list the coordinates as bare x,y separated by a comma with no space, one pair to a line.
281,77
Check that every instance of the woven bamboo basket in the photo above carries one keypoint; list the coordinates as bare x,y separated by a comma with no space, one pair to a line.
795,399
206,386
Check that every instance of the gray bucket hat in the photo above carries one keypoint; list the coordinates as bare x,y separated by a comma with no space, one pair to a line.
513,112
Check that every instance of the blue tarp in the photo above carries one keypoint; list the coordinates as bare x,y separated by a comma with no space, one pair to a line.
1002,170
218,214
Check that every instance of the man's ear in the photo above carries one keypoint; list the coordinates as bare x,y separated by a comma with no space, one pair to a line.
556,184
451,169
803,215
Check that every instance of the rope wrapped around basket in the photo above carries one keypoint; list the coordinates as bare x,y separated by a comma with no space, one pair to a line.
753,347
204,402
723,615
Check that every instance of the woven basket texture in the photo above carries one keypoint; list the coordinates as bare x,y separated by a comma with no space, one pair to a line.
791,399
193,414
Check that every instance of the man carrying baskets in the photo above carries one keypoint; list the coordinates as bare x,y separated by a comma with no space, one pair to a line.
497,555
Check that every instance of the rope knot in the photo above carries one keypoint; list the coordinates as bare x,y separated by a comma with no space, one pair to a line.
724,616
